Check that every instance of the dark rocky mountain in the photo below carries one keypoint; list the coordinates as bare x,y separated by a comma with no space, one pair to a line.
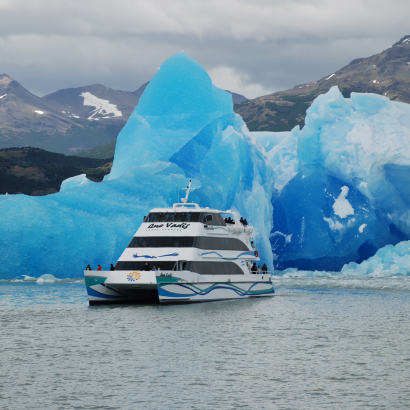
387,73
33,171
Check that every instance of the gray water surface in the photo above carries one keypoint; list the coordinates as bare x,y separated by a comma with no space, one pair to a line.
304,348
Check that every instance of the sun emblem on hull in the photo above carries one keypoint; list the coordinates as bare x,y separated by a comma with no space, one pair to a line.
133,276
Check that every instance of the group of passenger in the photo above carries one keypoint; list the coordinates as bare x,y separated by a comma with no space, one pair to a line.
147,267
230,221
99,267
244,222
256,270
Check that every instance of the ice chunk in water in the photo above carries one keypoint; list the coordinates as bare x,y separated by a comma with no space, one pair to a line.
47,278
388,261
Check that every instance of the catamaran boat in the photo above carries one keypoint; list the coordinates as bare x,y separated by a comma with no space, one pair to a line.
183,254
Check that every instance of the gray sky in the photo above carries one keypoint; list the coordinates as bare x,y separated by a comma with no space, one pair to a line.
249,47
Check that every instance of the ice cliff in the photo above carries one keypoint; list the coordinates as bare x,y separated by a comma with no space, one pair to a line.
327,195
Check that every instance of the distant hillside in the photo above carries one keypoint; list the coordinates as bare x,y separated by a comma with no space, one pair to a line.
105,151
33,171
67,121
387,73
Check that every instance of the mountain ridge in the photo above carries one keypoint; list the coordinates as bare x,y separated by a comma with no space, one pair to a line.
67,121
386,73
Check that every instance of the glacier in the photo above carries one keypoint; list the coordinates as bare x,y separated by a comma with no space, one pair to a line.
333,196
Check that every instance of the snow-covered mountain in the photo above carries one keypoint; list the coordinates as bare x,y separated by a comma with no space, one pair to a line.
95,102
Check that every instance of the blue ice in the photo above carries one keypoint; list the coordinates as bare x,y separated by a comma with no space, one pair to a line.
330,194
183,128
341,189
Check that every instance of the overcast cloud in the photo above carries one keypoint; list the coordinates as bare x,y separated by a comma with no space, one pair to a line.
249,47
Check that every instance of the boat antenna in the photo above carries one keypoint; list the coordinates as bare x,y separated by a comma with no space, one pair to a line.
187,189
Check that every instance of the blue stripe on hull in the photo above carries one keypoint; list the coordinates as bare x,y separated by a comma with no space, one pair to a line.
92,292
198,292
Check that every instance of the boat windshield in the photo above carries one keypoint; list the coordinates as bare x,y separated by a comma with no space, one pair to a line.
173,217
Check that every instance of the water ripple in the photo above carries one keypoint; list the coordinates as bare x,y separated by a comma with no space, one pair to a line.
313,346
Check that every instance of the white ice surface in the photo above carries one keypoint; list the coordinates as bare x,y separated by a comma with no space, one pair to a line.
102,107
342,207
74,182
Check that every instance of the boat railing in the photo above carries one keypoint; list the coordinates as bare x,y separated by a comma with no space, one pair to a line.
239,228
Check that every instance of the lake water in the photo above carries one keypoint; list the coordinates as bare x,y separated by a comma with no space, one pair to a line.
320,343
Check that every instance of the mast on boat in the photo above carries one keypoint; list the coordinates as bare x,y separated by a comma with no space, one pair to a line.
187,189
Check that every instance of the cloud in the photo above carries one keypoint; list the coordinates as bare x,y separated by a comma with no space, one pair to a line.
253,47
231,79
259,20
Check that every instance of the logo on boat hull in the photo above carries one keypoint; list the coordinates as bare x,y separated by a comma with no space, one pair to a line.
169,225
133,276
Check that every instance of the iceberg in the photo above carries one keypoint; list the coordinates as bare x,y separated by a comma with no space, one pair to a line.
332,196
183,128
342,182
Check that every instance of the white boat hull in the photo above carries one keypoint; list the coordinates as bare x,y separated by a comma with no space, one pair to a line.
172,287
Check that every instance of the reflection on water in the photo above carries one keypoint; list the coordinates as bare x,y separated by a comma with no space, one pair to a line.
316,345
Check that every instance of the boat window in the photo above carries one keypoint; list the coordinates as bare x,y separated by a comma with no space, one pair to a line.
191,217
221,220
223,244
153,217
201,242
162,242
162,265
214,219
179,217
214,268
173,217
